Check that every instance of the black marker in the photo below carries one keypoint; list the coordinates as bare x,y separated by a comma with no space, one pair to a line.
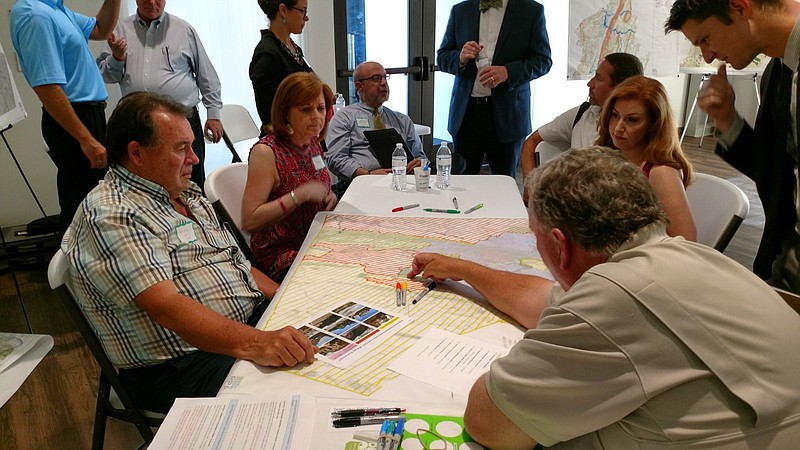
363,420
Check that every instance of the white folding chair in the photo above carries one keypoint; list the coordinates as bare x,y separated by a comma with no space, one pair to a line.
113,399
546,151
224,189
718,207
239,126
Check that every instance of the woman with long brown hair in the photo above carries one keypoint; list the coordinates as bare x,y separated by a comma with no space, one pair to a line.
637,119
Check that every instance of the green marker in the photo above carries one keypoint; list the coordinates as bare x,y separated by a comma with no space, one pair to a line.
448,211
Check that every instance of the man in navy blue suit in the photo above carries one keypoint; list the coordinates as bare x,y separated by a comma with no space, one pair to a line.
494,48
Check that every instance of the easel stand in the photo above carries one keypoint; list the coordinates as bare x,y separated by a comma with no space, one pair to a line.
8,251
694,104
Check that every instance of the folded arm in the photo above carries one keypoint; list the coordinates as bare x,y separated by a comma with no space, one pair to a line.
106,20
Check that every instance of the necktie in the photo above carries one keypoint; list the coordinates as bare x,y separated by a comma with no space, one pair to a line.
486,4
377,121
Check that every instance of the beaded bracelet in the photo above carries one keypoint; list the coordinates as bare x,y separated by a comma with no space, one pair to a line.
283,207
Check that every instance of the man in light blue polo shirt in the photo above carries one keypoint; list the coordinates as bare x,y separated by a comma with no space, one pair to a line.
52,43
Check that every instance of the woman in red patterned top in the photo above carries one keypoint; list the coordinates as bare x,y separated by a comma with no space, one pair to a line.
637,119
287,183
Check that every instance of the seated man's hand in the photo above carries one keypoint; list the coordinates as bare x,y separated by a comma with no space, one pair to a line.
436,267
361,171
284,347
416,162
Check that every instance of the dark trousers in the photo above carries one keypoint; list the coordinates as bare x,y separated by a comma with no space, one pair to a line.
75,176
198,374
477,137
199,148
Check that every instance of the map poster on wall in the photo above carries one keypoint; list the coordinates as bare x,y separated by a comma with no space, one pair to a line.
11,108
693,62
600,27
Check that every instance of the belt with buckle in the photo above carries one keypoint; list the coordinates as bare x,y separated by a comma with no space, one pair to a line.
481,100
94,104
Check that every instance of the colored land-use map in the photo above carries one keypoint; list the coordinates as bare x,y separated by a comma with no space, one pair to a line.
361,258
600,27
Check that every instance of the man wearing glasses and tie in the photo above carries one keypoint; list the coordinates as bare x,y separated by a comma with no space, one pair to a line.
349,153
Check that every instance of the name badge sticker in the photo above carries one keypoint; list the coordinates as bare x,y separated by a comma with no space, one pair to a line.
318,162
362,122
186,233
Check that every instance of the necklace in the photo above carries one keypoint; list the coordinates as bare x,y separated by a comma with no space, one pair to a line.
297,54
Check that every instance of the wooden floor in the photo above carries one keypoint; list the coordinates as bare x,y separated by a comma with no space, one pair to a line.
54,408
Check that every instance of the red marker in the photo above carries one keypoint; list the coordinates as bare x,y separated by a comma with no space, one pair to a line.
403,208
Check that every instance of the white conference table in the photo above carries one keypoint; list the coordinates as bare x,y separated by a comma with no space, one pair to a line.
372,195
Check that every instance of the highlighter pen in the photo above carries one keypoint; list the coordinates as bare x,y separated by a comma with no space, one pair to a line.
403,208
448,211
398,292
367,412
431,286
455,203
474,208
363,420
404,295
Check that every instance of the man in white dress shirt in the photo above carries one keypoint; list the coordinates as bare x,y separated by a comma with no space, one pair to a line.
577,127
158,52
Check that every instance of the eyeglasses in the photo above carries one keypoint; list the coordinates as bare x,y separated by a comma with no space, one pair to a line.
304,10
375,78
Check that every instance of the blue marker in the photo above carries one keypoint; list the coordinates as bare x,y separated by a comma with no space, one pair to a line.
382,437
398,435
387,440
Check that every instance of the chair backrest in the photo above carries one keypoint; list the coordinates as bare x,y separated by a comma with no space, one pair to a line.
239,126
718,207
226,184
224,189
546,151
57,273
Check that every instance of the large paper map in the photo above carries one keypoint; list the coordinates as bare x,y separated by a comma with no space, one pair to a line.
362,258
600,27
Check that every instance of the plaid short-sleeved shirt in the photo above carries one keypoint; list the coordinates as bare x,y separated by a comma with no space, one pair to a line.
126,237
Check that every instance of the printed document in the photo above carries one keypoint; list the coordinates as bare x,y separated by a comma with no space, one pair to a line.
274,422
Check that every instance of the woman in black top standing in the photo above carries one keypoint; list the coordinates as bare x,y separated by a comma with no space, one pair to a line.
276,56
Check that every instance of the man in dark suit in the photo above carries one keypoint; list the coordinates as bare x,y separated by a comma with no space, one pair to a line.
494,48
735,32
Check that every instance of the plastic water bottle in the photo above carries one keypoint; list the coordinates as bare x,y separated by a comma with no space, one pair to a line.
444,162
339,103
399,163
